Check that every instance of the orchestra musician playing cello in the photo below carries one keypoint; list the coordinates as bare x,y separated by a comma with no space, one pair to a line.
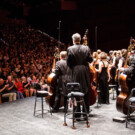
130,70
62,75
78,57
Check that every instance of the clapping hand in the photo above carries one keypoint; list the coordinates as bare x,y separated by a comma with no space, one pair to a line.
7,85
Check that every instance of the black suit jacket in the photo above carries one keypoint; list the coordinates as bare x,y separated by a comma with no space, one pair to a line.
63,76
78,57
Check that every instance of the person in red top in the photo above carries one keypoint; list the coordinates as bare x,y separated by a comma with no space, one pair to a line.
19,88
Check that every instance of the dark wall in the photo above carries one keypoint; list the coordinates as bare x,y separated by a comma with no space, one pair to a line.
114,20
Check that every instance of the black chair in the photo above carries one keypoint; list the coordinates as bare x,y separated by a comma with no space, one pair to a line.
41,97
131,118
74,93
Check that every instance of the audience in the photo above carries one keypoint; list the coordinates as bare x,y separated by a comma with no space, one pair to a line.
26,54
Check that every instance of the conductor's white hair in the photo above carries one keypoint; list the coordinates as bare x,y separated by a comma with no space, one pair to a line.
76,37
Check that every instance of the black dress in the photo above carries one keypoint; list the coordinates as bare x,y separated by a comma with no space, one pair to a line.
103,85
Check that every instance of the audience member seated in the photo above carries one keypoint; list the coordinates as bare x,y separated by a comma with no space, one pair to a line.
19,88
27,86
11,88
43,84
34,81
25,51
4,90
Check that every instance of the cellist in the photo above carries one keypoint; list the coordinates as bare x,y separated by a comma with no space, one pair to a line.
130,70
120,65
62,75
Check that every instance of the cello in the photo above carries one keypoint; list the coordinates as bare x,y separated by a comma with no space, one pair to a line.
122,102
93,91
51,81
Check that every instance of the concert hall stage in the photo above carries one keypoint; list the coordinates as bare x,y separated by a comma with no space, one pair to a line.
16,118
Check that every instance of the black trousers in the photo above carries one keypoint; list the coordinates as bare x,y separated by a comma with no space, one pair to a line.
58,99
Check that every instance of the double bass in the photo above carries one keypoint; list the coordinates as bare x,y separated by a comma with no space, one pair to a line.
93,91
122,102
51,81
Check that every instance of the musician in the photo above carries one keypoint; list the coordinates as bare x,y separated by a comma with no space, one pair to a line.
122,59
118,57
113,67
96,60
109,58
104,78
62,75
78,57
130,71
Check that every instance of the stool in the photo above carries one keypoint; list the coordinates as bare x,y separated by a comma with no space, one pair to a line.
130,118
113,89
41,94
76,98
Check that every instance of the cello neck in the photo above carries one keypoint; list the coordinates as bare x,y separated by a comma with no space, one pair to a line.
54,63
56,56
85,38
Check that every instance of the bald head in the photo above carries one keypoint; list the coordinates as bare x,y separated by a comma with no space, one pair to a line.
63,54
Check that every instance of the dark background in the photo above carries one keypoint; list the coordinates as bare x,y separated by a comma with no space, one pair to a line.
114,19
